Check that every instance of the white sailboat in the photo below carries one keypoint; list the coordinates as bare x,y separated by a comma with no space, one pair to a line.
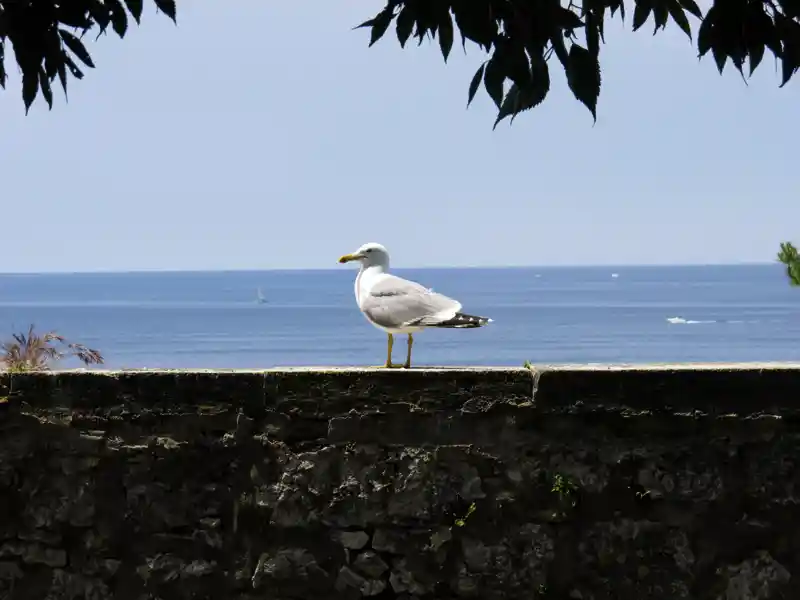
260,297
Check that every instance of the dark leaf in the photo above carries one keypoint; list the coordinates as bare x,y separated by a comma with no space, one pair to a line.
446,35
73,14
599,19
789,32
738,54
661,13
583,77
135,8
676,11
719,57
617,5
472,22
30,86
567,19
560,49
2,64
167,7
520,99
73,68
119,18
44,84
641,13
101,15
510,105
791,8
517,65
593,34
379,24
52,57
756,52
427,18
692,7
540,83
476,81
404,25
77,47
493,78
790,62
705,32
761,30
62,75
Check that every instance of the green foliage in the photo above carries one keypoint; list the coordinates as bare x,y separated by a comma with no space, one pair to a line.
565,490
522,36
32,352
463,520
789,257
47,37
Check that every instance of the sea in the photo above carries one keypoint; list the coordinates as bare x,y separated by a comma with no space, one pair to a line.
545,315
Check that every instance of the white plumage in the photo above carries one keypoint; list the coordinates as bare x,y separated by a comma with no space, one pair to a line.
400,306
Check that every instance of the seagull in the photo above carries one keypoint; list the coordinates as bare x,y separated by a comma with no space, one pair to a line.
399,306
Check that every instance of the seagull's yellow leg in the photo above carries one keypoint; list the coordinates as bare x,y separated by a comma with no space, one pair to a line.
408,354
389,345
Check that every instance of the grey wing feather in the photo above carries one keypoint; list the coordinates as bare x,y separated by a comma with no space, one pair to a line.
395,302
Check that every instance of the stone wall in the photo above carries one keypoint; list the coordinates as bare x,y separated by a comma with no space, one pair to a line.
425,484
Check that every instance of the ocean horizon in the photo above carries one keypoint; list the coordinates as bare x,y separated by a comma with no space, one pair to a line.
337,267
544,314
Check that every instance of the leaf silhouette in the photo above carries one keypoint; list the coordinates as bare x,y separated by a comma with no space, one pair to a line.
493,78
519,99
30,87
692,7
640,13
677,14
583,77
446,36
475,83
76,47
119,18
135,8
44,85
168,8
404,25
378,24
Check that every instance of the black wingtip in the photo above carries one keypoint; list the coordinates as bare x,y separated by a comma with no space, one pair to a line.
464,321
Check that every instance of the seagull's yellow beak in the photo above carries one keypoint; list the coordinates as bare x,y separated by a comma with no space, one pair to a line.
348,257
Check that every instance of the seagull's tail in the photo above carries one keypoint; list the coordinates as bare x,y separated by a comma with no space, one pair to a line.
463,321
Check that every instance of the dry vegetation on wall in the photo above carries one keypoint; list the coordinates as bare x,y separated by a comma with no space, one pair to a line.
26,352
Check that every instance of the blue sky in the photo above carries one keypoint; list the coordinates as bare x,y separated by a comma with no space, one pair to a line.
267,135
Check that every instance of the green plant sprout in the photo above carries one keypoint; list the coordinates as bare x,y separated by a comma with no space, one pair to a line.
789,257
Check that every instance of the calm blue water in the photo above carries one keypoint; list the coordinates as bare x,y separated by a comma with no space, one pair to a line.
546,315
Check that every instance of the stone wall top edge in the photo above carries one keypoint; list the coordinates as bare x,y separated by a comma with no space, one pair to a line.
584,367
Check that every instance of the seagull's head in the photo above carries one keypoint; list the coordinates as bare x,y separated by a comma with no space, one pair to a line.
367,255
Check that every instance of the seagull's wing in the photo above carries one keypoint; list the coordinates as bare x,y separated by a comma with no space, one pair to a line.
394,302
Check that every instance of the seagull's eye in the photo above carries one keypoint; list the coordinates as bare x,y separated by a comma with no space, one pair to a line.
368,250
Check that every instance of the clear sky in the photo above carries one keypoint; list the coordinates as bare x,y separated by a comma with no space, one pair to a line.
267,135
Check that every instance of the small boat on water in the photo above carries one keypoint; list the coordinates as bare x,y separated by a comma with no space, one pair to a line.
260,297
